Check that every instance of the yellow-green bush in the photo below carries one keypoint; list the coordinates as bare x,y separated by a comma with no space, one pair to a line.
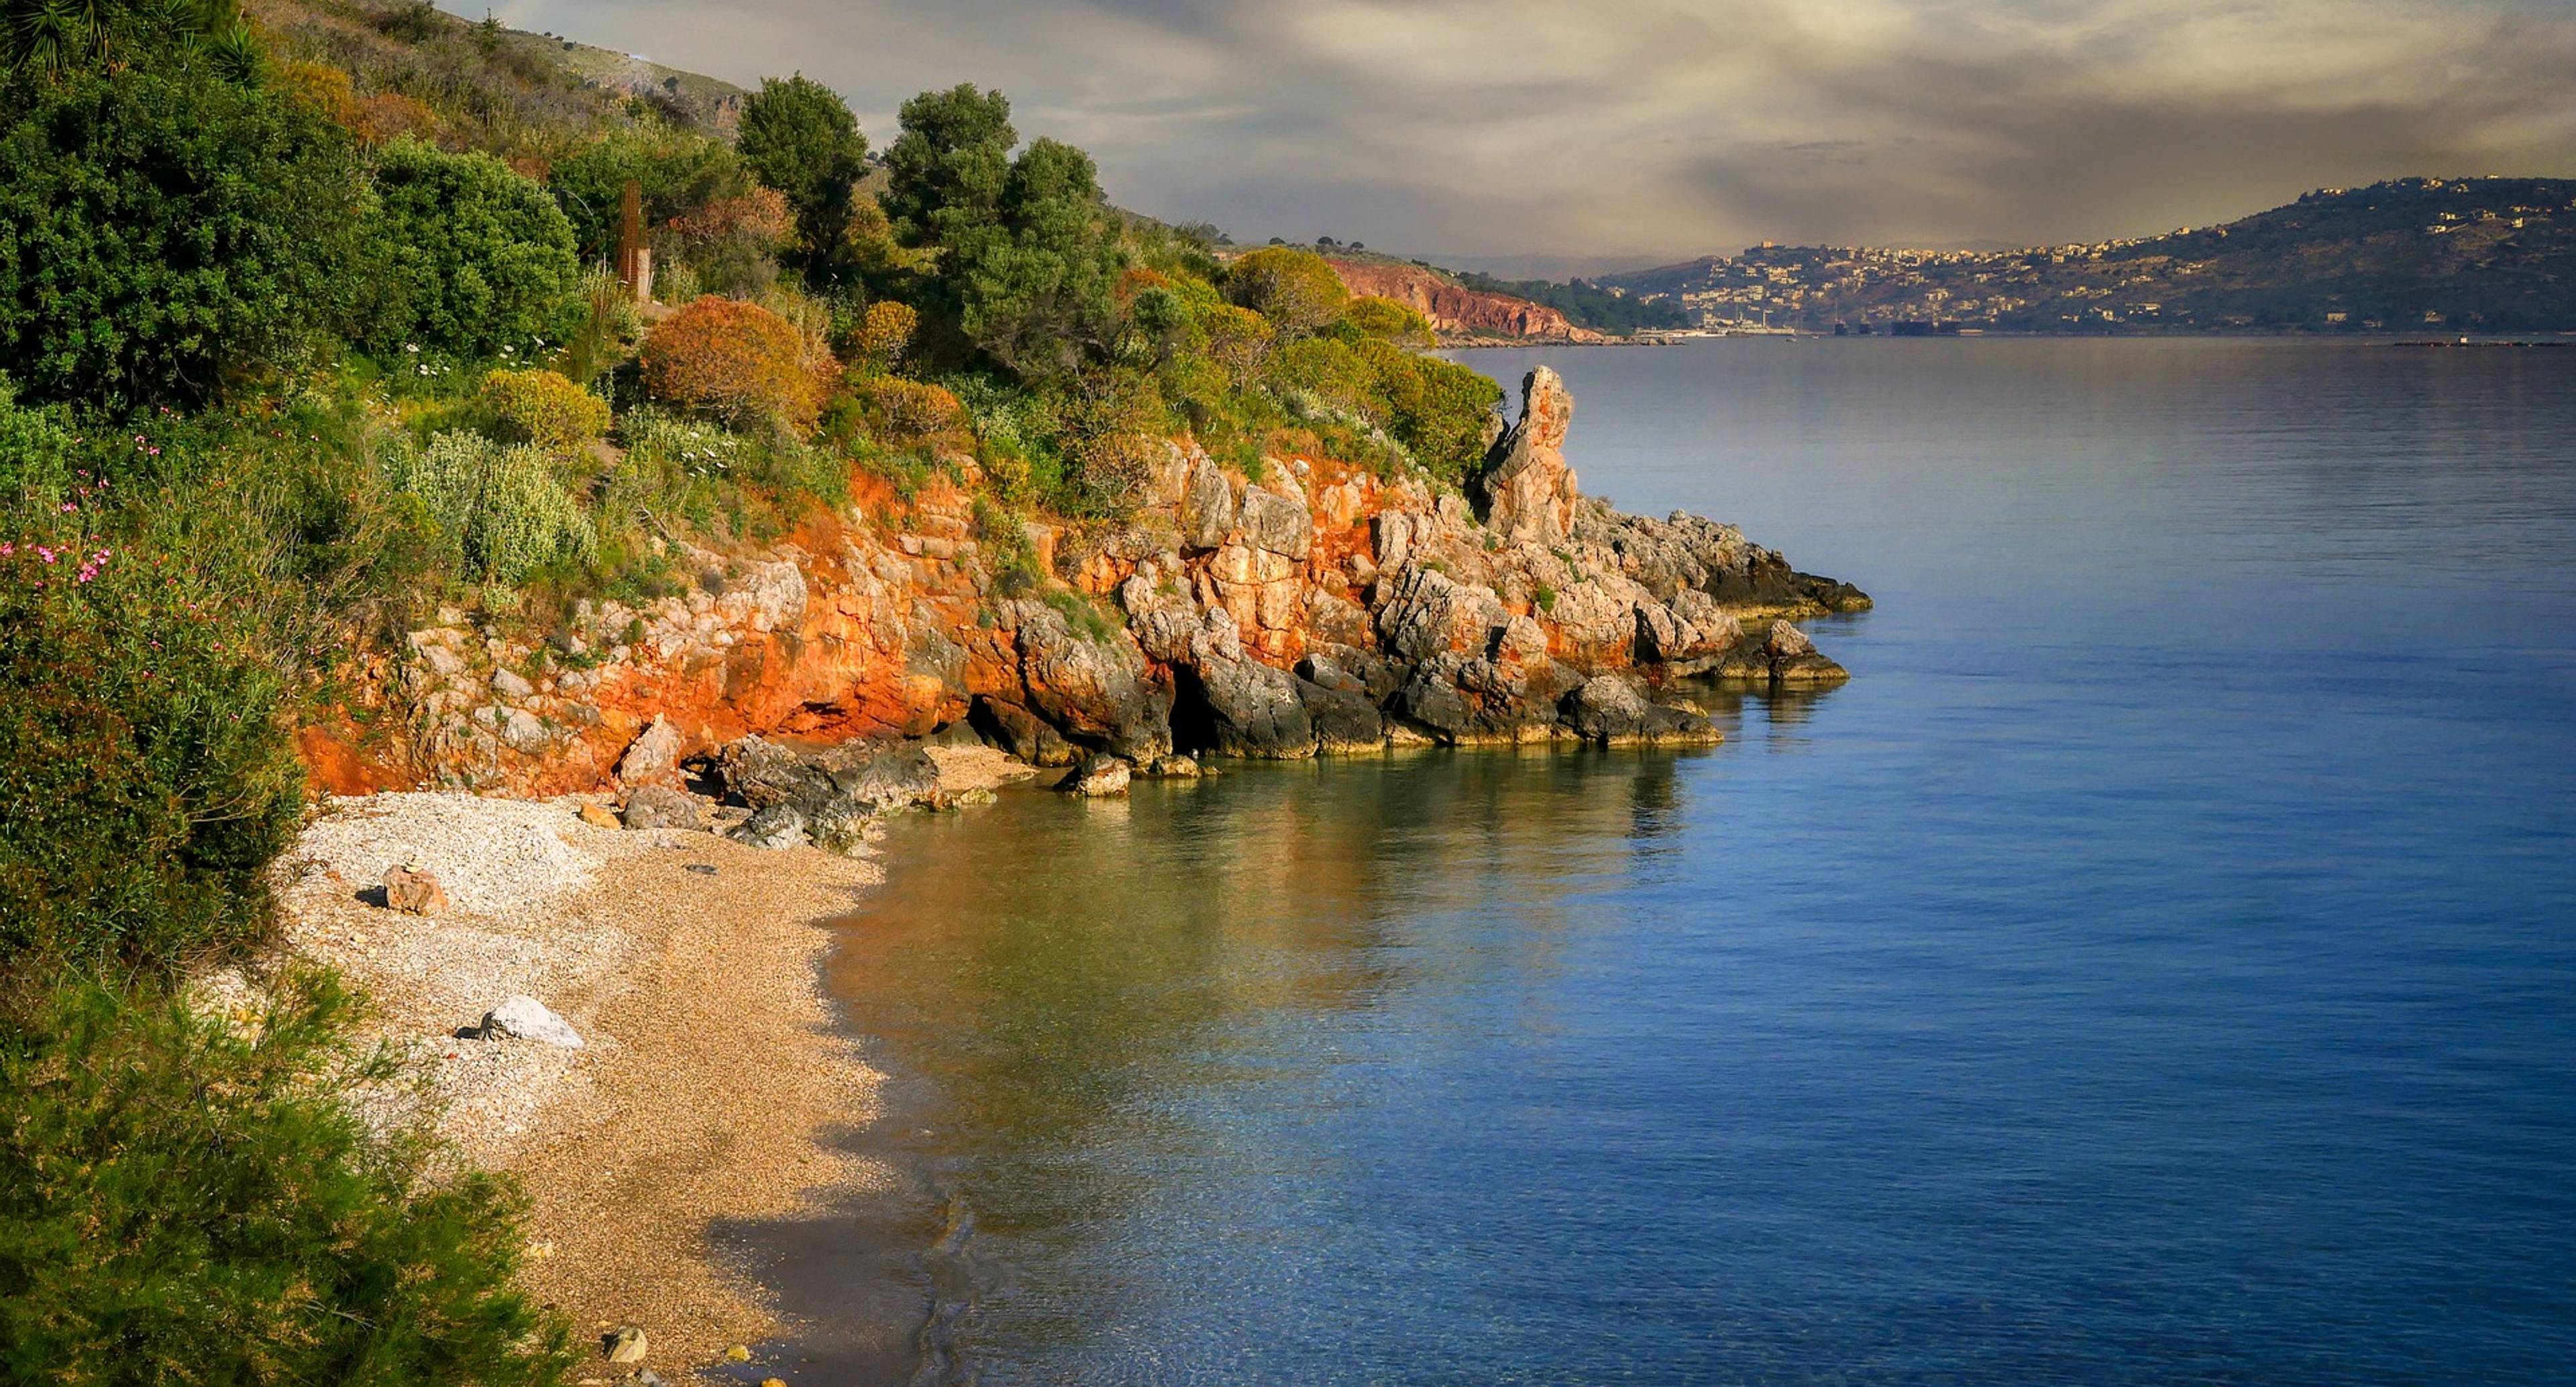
501,510
1388,319
544,408
909,411
1297,290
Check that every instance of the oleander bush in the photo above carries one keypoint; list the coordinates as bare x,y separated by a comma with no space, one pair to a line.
144,759
191,1199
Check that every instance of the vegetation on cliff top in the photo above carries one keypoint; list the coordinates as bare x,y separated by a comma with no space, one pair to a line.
304,327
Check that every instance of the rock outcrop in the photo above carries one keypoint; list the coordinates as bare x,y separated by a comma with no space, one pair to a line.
1527,489
1307,607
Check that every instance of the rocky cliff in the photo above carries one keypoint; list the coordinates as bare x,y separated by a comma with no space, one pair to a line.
1459,314
1312,608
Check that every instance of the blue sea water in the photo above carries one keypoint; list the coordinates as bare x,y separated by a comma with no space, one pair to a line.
2157,965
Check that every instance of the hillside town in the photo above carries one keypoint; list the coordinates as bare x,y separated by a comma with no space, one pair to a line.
2483,253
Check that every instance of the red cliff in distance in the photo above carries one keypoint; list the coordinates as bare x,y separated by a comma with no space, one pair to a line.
1460,314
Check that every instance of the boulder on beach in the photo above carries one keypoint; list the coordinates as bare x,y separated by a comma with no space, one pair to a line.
414,890
525,1018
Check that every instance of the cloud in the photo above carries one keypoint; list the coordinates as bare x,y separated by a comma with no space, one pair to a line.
1643,127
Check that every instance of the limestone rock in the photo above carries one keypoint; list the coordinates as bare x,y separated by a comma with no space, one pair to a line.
623,1345
1207,506
414,890
1020,732
1344,720
1091,688
599,816
1276,524
1787,642
1096,775
777,827
1528,490
525,1018
653,758
1254,710
661,806
1175,767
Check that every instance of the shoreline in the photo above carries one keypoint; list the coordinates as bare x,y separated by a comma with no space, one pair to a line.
715,1087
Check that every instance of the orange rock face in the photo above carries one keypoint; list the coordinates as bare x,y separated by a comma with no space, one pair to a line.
1458,312
1319,607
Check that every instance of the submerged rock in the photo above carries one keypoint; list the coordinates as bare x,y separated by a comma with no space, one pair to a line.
1096,775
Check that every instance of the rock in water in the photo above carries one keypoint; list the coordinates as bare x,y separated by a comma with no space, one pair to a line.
660,806
1787,641
525,1018
1097,774
1528,490
414,890
623,1345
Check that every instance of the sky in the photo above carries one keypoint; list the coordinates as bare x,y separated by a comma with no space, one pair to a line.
1570,132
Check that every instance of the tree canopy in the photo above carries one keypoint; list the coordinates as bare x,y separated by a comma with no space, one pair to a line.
799,137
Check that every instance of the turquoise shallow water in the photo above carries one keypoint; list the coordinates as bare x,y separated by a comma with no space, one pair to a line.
2157,966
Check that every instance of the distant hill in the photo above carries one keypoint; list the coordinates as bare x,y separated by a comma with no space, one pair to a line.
416,69
2483,254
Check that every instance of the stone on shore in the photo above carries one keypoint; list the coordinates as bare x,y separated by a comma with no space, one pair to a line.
414,890
599,816
623,1345
777,828
653,758
660,806
525,1018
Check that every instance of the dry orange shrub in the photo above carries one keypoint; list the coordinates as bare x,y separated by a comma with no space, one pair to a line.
737,362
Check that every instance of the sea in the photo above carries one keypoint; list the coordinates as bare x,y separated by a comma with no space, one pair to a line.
2156,965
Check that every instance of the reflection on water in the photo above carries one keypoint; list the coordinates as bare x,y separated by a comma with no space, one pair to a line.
2155,966
1071,996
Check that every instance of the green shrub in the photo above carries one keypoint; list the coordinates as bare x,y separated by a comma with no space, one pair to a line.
1372,316
500,510
1296,290
476,258
160,232
190,1200
545,409
143,758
